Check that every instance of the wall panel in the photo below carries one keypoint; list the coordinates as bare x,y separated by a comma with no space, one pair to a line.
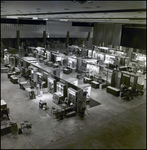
56,29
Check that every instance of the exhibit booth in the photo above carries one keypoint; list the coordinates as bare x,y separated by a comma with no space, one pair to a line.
90,53
103,49
110,60
86,88
95,54
72,63
51,85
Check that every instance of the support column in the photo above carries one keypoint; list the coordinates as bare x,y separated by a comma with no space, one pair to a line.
67,39
88,41
44,38
130,50
88,36
18,39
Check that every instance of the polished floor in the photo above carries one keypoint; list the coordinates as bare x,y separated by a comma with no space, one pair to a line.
115,124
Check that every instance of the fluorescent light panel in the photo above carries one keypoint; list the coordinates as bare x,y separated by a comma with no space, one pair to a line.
63,19
35,18
11,17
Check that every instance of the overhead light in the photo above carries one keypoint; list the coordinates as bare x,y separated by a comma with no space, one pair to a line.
63,19
35,17
45,19
11,16
83,1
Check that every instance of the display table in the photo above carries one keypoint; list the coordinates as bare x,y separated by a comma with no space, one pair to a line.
114,91
10,73
103,85
46,61
28,91
50,64
123,68
79,76
4,70
57,96
55,65
87,80
67,71
95,84
22,84
41,60
3,104
13,79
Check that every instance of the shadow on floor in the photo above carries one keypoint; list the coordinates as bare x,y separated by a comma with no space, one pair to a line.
92,103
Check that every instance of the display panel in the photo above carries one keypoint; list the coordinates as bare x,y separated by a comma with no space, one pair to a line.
126,80
95,54
72,62
109,59
93,70
89,53
51,85
100,56
45,76
58,58
60,88
111,51
71,95
141,57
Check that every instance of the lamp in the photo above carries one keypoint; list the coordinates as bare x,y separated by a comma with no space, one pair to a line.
83,1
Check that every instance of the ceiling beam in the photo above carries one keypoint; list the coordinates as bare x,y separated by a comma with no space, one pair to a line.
82,12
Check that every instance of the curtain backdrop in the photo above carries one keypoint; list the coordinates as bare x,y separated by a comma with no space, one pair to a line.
109,34
134,37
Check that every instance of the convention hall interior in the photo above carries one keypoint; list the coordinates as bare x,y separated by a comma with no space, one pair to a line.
73,74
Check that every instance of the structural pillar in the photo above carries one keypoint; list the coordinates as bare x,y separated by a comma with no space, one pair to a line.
44,38
88,36
18,39
130,50
67,39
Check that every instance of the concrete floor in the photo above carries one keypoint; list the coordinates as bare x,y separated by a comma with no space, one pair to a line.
115,124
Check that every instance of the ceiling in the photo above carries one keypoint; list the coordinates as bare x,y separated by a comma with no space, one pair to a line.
126,12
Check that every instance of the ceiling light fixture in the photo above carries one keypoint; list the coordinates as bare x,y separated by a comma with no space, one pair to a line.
35,18
82,1
63,19
11,16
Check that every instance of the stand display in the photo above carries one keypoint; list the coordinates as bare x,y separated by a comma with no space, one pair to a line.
6,59
40,50
71,96
129,76
59,60
95,54
51,85
103,49
120,54
57,97
109,59
72,62
12,61
101,57
93,70
60,87
112,52
89,53
122,61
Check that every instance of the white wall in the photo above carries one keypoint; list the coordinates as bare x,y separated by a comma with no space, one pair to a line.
57,29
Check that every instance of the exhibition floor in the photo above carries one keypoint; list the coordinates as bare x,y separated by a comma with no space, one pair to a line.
115,123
